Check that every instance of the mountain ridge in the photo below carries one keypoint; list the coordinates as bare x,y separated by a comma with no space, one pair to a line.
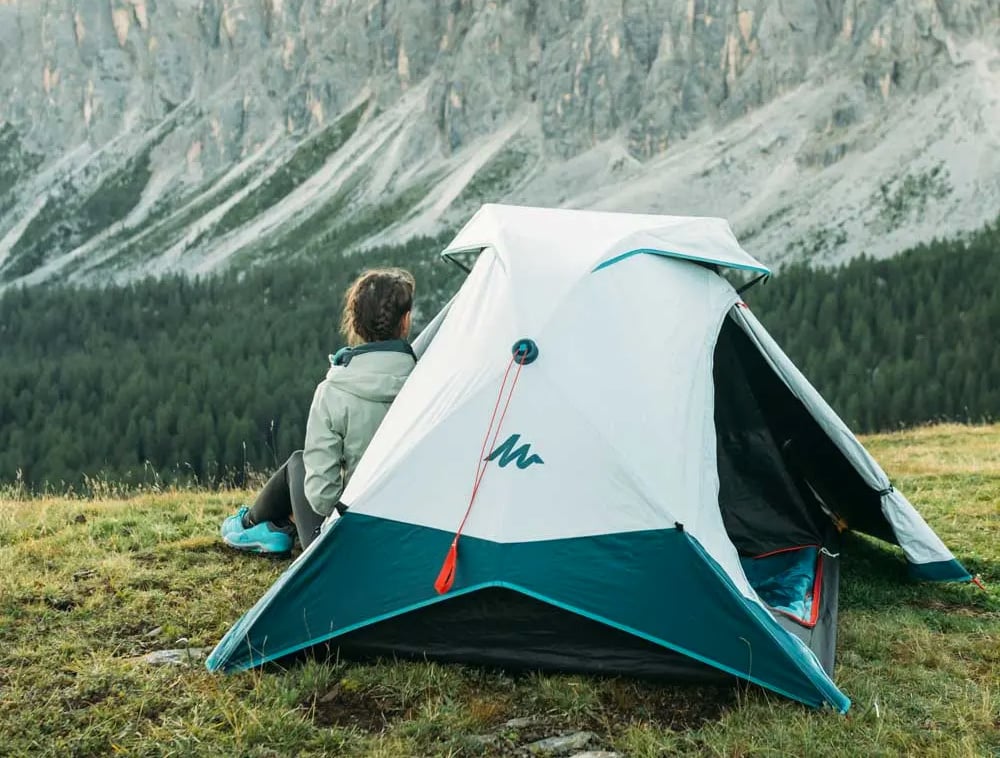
145,137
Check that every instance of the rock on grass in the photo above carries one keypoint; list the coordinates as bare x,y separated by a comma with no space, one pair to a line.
181,657
560,745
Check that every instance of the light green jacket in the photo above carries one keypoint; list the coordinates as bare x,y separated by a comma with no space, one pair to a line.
346,410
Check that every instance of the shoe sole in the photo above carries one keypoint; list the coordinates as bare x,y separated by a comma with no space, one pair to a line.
256,547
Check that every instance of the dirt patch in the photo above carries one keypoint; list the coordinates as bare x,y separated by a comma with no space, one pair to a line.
132,637
958,609
675,707
62,603
357,708
149,557
199,543
79,701
148,582
619,702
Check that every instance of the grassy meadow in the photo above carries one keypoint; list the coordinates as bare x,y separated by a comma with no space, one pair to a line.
90,585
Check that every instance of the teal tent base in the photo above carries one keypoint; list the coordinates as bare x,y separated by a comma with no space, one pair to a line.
940,571
504,628
652,585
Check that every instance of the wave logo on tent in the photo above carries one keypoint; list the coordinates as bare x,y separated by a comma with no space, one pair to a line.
508,452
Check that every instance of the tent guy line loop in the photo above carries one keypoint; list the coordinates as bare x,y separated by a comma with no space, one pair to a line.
523,353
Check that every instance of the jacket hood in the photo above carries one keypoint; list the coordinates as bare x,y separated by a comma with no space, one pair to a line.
375,376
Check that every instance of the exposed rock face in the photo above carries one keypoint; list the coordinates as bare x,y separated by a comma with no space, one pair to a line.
153,135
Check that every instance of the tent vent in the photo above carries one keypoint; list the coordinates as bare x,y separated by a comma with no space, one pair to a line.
525,351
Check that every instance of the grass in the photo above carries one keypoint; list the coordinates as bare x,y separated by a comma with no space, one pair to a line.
88,585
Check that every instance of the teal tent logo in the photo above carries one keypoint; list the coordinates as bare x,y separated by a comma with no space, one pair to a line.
508,452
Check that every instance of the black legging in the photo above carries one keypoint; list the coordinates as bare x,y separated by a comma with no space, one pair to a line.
283,496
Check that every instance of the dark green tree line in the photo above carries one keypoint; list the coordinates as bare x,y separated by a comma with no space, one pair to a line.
896,342
195,379
190,379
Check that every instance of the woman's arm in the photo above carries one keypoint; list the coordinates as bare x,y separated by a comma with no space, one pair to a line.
323,452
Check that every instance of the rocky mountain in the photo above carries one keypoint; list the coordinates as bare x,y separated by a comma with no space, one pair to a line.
146,136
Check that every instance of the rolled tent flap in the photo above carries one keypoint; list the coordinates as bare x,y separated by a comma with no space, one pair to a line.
701,240
603,238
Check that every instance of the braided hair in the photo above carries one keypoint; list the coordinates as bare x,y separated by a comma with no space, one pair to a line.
374,306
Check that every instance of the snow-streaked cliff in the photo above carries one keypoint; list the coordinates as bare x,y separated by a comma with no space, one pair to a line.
140,136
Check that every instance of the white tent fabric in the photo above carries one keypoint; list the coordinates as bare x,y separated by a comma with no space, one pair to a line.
919,542
601,296
536,278
567,406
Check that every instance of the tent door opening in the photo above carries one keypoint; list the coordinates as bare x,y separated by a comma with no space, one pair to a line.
784,490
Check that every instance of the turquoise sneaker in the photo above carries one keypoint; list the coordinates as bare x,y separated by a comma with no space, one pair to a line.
260,538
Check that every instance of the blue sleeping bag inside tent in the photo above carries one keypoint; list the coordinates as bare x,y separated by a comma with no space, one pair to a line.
787,581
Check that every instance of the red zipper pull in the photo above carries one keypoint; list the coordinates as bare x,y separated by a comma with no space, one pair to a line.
446,577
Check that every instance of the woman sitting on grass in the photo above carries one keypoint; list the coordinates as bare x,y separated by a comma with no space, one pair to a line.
346,410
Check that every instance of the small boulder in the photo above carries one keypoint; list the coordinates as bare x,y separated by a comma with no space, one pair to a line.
182,657
483,740
560,745
520,723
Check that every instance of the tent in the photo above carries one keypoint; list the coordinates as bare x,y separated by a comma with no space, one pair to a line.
601,463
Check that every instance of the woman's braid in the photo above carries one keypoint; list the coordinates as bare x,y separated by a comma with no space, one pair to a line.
386,322
375,305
